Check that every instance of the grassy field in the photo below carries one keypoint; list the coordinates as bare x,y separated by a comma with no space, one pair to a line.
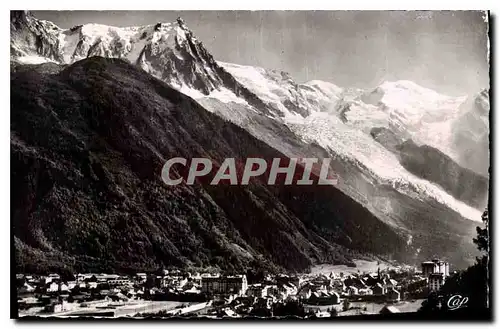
361,266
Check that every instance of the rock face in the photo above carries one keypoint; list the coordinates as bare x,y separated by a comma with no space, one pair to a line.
34,40
87,148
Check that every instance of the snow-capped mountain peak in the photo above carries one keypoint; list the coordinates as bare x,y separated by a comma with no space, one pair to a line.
31,36
325,87
169,51
408,85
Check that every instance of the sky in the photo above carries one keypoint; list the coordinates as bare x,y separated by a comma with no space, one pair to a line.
442,50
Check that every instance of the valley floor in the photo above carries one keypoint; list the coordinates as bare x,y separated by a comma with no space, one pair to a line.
361,266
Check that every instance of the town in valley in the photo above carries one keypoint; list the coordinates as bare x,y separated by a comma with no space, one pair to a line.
170,293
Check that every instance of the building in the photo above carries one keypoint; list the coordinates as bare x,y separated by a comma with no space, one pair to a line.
324,298
436,281
264,302
285,279
58,306
321,281
57,287
224,285
436,272
352,291
257,290
286,290
120,281
196,278
141,277
378,290
389,310
304,292
393,295
365,291
355,282
371,279
55,277
435,266
427,268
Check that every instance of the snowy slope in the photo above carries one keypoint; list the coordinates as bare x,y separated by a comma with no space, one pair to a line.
425,113
277,89
331,133
457,126
411,110
322,95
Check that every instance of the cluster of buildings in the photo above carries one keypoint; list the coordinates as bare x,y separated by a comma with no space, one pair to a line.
228,295
46,294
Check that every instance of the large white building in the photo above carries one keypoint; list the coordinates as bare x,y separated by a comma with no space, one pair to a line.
436,272
435,281
436,266
224,285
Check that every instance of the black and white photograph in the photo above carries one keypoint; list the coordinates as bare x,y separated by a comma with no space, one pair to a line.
238,165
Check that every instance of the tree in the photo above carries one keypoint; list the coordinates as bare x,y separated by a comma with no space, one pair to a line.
471,283
482,239
483,244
